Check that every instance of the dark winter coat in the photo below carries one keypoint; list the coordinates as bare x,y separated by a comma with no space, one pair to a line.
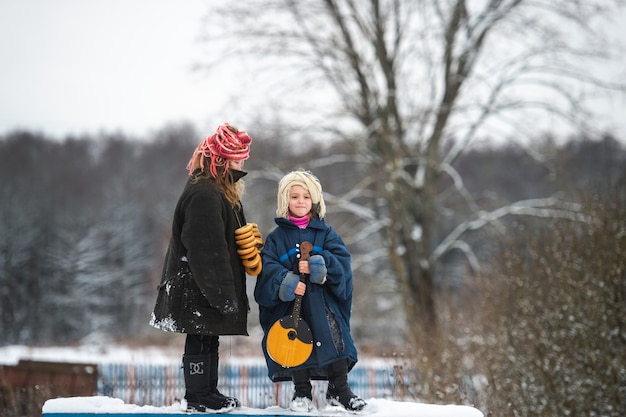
203,284
279,257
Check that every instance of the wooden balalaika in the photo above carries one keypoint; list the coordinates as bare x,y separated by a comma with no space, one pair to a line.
289,341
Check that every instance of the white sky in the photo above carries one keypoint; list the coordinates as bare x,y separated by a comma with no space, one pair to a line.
90,66
78,66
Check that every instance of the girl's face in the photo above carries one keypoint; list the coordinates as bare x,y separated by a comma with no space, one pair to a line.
300,203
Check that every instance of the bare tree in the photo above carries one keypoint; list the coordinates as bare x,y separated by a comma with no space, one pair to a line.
413,84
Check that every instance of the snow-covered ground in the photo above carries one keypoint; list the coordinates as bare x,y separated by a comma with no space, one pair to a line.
97,353
375,407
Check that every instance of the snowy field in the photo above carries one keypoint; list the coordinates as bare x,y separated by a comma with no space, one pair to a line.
89,353
11,355
375,407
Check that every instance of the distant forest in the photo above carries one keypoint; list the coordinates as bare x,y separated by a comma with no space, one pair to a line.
84,221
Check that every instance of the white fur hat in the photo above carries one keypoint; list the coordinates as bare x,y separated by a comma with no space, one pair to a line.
307,181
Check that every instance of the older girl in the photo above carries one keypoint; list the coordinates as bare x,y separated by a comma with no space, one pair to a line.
203,285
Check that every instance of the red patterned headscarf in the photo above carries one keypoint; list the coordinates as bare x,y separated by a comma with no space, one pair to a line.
225,145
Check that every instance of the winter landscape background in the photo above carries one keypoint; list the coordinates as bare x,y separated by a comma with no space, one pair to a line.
472,156
85,224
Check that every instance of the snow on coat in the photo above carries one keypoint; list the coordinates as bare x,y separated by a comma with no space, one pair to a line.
279,257
206,294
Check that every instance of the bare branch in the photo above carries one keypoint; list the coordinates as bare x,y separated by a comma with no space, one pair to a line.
550,207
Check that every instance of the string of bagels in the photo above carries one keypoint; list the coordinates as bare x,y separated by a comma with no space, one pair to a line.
250,241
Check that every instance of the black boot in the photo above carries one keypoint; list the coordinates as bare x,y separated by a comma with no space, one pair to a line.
339,392
214,360
197,393
302,400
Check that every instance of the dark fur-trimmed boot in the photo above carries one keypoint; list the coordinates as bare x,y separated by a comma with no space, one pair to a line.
339,392
214,360
197,393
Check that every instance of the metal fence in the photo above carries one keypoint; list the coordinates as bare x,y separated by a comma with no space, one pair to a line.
163,384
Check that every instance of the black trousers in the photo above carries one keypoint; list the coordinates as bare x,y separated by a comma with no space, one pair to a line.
201,345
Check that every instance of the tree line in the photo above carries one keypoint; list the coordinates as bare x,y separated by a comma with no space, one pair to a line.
85,222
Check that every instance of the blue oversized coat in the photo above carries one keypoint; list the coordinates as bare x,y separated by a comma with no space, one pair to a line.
280,256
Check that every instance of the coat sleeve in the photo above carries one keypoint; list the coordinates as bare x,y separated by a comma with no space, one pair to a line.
204,237
339,269
268,282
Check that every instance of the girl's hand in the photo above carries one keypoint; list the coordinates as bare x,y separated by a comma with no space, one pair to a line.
300,288
303,267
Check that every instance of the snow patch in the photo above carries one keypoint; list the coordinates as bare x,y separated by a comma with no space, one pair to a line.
375,407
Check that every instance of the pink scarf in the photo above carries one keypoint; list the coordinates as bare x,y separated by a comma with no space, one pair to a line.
301,222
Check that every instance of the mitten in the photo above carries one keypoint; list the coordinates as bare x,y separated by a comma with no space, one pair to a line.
318,269
288,286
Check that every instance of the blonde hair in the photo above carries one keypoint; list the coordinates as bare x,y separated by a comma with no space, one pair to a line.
309,182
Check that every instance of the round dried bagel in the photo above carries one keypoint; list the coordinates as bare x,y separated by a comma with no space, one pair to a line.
247,245
245,229
244,235
255,271
251,261
244,241
246,252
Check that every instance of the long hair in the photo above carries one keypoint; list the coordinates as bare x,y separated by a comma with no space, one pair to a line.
233,191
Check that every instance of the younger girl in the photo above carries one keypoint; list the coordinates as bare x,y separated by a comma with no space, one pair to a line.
326,292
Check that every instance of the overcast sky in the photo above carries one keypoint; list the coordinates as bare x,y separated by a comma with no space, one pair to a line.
84,66
87,66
